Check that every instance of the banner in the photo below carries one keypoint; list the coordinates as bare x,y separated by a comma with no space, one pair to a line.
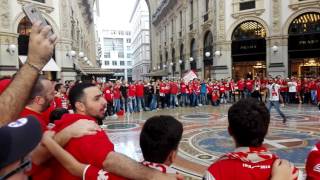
189,76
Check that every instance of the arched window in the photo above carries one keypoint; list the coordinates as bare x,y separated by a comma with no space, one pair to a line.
305,23
249,30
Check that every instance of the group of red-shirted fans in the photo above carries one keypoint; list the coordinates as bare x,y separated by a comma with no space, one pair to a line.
58,137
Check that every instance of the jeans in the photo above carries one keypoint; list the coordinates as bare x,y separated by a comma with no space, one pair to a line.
313,96
153,104
183,99
173,100
194,99
203,98
276,105
117,105
131,104
140,103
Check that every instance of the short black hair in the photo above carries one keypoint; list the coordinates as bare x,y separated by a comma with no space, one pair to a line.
159,136
57,114
58,86
77,92
38,88
248,122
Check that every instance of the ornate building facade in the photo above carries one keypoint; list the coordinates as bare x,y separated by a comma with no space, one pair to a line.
140,40
235,38
71,20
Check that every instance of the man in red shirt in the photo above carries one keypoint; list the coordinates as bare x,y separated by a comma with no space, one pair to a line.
108,95
173,94
60,99
313,163
241,85
248,125
39,101
140,96
116,97
88,103
183,90
131,98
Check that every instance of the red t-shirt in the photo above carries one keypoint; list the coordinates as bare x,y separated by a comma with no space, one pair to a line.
131,90
249,85
214,96
92,149
42,171
94,173
244,163
222,89
40,117
139,90
313,163
61,101
312,86
183,87
241,85
108,94
167,88
174,88
116,92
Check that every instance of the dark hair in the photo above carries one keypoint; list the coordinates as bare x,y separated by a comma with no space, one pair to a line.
76,93
248,122
57,114
38,88
58,86
159,136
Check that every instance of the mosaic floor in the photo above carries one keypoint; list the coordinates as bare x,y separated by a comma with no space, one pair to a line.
205,135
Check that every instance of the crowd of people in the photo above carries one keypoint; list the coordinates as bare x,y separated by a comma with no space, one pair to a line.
152,95
57,134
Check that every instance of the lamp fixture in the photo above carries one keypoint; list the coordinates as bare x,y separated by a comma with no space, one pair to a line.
171,64
71,54
180,61
218,53
81,54
207,54
11,49
275,49
191,59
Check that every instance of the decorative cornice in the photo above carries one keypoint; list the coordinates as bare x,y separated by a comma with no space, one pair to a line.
162,10
256,12
296,5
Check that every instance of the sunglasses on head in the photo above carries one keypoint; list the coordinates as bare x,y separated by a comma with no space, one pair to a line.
24,165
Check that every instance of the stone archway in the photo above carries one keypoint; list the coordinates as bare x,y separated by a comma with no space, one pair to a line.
304,45
248,50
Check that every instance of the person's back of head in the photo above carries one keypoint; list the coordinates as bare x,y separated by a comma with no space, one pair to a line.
57,114
42,94
159,138
248,122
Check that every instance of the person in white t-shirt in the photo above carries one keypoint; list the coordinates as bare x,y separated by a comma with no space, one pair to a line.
274,95
292,90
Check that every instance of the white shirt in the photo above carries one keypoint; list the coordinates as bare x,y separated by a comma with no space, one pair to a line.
292,86
273,91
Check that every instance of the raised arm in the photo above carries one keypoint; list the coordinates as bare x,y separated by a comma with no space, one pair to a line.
14,98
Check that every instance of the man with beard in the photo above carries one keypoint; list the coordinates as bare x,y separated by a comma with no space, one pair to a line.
39,101
88,103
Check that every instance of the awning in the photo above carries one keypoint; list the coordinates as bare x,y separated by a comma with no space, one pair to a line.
50,66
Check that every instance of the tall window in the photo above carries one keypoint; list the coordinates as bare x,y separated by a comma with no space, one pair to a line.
180,20
207,5
191,11
172,27
121,63
114,63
